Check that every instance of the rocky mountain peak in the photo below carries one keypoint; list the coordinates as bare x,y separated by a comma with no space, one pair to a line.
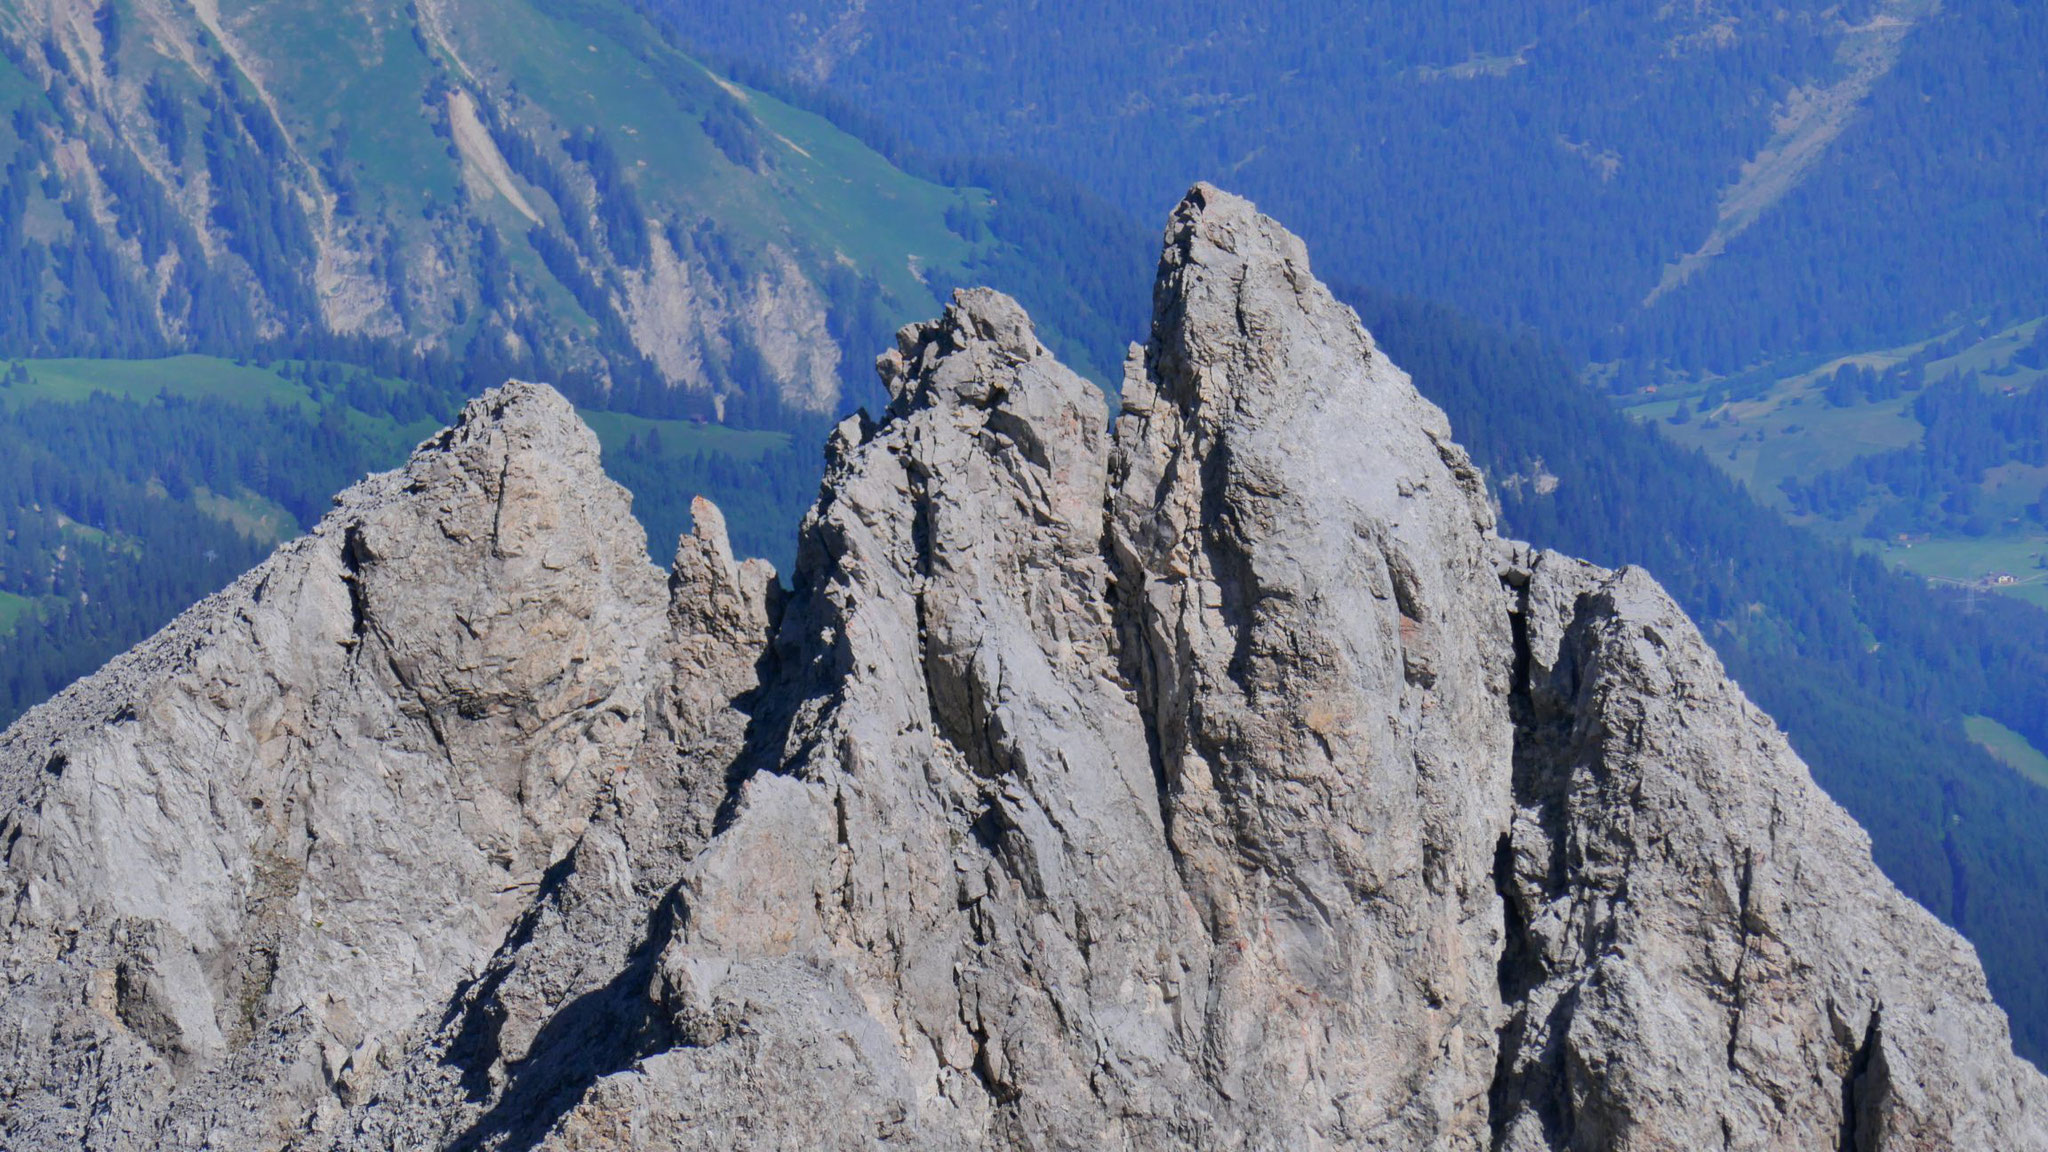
267,841
1215,778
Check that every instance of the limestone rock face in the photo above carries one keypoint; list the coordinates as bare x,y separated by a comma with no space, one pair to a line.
1700,951
1316,627
1217,778
262,844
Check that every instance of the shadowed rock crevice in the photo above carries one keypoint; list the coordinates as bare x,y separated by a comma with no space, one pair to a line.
1527,1095
1865,1092
594,1035
354,554
475,1015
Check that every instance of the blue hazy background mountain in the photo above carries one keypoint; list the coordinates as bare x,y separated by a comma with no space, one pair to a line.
1838,173
266,252
1766,225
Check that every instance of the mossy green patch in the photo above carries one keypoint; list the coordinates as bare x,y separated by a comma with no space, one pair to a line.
13,609
254,386
367,82
1789,431
2008,747
681,436
1788,427
2002,565
186,377
817,189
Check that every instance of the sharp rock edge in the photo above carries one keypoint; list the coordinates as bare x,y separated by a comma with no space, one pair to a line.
1218,779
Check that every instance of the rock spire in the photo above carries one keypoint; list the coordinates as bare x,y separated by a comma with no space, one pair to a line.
1215,778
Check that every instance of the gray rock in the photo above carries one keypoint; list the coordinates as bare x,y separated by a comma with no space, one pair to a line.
1700,951
1317,629
260,848
1218,781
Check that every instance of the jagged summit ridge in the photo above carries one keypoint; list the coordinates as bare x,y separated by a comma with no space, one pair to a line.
1215,780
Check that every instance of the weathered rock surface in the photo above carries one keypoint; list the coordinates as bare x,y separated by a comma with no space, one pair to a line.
1220,780
263,844
1700,951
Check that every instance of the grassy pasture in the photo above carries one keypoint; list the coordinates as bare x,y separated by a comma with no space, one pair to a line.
1789,429
2009,748
12,609
1967,563
187,377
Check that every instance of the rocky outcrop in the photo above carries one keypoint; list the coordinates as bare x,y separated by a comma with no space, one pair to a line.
1215,780
1313,621
1700,952
264,843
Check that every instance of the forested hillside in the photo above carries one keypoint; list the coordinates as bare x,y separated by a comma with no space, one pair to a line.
548,184
1685,187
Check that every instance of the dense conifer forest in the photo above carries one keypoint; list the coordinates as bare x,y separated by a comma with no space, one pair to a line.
1539,164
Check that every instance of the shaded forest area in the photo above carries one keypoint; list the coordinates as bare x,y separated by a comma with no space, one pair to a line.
1384,133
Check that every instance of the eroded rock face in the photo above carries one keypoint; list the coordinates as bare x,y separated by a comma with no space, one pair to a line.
1701,953
1316,629
1220,780
266,842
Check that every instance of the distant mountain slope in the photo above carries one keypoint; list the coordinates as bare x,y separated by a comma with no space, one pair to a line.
1940,443
545,184
1687,186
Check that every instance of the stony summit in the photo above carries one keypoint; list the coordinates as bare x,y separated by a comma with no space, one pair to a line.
1215,778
